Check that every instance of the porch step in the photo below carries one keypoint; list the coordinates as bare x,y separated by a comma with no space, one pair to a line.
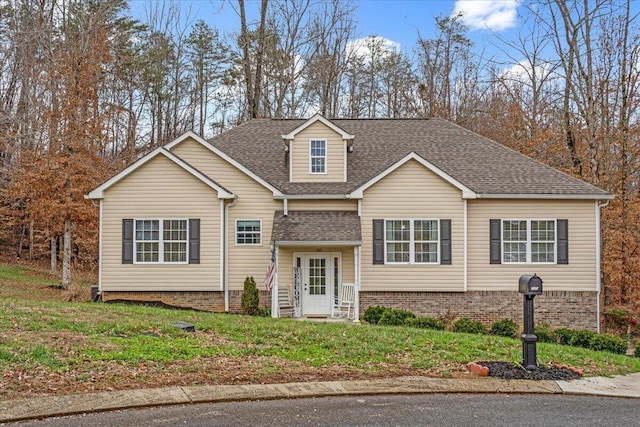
284,302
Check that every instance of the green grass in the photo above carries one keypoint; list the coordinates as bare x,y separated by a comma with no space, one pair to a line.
60,337
23,274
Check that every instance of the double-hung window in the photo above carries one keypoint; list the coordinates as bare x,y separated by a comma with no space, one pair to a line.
318,156
528,241
161,240
248,232
412,241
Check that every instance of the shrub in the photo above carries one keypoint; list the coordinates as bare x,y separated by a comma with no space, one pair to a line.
563,335
264,312
608,342
249,298
575,337
469,326
637,351
505,328
545,333
372,314
395,317
426,323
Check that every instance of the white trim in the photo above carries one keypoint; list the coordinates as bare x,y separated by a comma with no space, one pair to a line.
465,262
161,241
290,164
304,258
223,249
316,243
325,157
100,243
227,158
314,196
359,202
412,242
276,285
528,242
98,193
467,193
357,272
344,163
547,196
285,207
317,118
598,284
235,233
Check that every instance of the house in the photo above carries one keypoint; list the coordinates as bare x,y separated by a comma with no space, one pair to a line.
419,214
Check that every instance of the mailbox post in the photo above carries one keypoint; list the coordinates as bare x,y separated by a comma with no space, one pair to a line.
529,286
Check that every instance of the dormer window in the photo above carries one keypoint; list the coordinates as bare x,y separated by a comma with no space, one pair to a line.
318,156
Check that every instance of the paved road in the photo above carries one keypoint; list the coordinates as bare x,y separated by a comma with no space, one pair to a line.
396,410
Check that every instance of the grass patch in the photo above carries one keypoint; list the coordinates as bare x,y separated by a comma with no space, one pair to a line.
93,346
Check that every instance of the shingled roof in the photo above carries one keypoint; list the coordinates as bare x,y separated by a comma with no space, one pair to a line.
486,167
316,226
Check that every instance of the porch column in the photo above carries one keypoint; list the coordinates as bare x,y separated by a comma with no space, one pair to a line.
275,307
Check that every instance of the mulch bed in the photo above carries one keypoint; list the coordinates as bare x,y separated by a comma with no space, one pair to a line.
511,371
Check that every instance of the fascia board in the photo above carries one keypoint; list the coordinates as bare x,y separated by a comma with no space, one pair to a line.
467,193
224,156
98,193
323,120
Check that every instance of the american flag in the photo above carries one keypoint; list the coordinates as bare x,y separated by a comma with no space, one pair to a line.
269,277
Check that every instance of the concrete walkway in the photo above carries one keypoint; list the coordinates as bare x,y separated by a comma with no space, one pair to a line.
16,410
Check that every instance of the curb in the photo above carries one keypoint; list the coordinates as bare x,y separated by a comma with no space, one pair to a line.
55,406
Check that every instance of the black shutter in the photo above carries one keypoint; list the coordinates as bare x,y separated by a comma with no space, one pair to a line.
445,241
563,241
495,241
194,241
378,241
127,241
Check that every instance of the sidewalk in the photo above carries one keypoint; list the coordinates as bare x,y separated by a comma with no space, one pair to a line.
621,386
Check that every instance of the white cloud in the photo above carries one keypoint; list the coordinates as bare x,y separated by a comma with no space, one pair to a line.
371,46
487,14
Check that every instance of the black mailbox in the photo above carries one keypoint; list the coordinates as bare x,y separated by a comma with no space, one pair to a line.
530,285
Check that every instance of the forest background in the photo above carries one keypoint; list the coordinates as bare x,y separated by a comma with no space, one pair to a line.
86,89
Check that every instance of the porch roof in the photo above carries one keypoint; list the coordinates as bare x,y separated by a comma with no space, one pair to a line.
316,227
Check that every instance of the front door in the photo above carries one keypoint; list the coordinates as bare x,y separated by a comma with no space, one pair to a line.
320,271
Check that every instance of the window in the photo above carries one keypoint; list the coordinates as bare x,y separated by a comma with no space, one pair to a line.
248,232
161,241
318,156
528,241
413,241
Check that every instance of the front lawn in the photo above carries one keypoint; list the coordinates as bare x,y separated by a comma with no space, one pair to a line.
48,346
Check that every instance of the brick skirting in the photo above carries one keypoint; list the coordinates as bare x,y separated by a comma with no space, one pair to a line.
577,310
557,308
197,300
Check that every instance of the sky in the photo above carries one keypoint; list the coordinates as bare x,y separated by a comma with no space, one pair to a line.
397,20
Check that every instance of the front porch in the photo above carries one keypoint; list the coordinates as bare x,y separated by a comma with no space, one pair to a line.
317,265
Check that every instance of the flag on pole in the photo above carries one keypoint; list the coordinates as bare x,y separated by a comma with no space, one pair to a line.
269,277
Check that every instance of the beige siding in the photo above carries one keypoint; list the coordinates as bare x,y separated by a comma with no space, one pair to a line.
578,275
323,205
253,202
412,191
335,155
160,189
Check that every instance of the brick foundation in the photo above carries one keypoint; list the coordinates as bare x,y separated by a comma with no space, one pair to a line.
197,300
577,310
557,308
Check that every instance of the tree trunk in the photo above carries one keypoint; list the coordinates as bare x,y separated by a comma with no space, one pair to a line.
66,259
54,255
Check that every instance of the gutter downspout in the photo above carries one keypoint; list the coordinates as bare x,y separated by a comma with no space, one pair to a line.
598,261
225,281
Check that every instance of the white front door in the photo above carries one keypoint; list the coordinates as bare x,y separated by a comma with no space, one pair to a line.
319,274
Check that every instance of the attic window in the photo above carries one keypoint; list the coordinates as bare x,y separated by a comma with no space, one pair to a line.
318,156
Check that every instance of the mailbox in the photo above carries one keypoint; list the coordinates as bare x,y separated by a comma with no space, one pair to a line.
530,285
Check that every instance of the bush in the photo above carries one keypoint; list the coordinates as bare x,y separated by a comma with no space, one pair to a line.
426,323
249,299
395,317
563,336
575,337
637,351
264,312
469,326
505,328
545,334
608,342
372,314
